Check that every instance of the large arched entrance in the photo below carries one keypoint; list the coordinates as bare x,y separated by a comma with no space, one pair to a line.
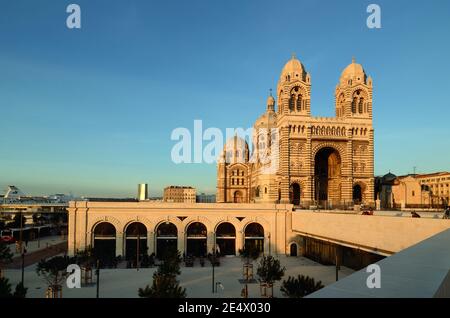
327,175
294,193
254,237
226,239
166,238
196,236
104,243
238,198
357,194
135,240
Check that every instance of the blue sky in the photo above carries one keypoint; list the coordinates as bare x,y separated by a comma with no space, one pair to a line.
91,111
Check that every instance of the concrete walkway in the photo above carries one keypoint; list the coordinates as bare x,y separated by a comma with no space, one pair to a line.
124,283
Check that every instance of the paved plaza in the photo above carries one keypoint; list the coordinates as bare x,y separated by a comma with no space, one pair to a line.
124,283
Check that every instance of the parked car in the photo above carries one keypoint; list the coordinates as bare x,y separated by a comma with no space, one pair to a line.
8,239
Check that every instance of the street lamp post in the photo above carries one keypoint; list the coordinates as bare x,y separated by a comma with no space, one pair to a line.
22,248
137,252
97,272
336,261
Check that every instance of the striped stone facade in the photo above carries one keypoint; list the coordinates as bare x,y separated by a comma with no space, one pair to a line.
319,160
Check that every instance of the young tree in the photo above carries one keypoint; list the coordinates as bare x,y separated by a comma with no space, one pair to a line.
300,287
165,284
54,270
249,253
21,291
5,288
270,270
5,256
170,265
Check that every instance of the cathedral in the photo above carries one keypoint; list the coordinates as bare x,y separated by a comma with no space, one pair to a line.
296,158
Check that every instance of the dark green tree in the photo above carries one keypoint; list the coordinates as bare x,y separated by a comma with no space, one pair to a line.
54,270
21,291
300,286
170,265
164,286
5,288
270,270
5,256
249,253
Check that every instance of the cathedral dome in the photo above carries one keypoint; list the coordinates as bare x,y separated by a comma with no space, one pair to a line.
292,70
235,151
354,71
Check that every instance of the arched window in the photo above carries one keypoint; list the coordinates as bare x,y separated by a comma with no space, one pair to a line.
360,105
354,105
291,102
299,102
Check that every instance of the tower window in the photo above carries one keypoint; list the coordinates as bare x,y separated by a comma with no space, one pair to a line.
354,105
291,102
299,102
360,105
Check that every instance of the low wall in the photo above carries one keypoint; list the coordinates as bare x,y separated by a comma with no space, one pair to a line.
384,235
420,271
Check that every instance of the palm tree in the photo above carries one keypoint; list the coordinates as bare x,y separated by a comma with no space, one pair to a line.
300,287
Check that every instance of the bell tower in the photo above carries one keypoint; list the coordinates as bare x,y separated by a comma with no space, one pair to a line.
353,95
294,90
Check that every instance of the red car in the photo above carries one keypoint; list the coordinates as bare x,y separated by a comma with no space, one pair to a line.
8,239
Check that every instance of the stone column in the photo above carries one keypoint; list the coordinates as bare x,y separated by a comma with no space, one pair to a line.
151,242
239,241
119,244
210,242
72,233
268,246
181,242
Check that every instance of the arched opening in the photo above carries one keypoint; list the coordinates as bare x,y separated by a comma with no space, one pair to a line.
294,193
196,235
291,102
105,243
299,102
166,238
357,194
135,241
238,197
254,237
293,249
226,239
327,174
